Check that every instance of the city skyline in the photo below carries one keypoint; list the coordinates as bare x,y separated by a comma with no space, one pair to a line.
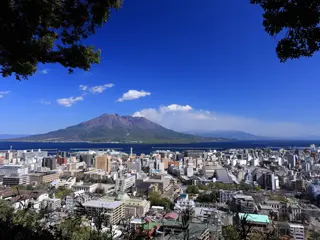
186,67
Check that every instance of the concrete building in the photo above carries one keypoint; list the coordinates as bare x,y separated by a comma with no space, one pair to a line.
87,188
144,183
50,176
184,203
296,231
292,160
257,221
189,171
114,210
103,162
87,158
49,162
226,195
223,176
51,204
134,166
135,207
165,163
243,203
265,178
15,180
125,182
11,169
76,197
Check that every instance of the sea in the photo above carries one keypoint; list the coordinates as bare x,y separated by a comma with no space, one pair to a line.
52,148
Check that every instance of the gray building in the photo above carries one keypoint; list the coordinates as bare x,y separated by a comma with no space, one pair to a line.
87,158
49,162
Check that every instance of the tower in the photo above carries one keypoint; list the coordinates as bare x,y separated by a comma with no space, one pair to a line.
131,153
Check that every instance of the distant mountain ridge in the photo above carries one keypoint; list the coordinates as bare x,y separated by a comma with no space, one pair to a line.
115,128
6,136
231,134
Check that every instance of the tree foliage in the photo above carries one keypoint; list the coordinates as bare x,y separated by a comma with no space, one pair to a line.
156,200
298,23
192,189
49,31
62,192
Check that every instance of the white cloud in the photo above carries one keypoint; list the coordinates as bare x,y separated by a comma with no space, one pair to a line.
44,71
45,102
185,118
176,108
100,88
83,87
68,102
2,94
133,94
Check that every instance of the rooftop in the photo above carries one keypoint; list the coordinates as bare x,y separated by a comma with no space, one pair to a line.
294,225
258,218
272,202
245,197
102,204
266,207
150,225
223,176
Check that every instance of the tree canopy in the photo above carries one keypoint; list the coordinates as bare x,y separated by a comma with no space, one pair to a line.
49,31
298,24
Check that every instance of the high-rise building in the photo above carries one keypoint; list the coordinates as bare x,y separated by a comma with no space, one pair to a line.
104,163
165,162
49,162
87,158
63,154
61,160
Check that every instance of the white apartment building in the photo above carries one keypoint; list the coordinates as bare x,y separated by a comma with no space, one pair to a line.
76,197
124,183
51,203
87,188
296,231
12,169
40,198
113,209
226,195
183,204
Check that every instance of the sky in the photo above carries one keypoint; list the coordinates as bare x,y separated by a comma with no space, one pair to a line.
186,65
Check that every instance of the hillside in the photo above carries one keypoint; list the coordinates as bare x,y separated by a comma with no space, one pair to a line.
115,128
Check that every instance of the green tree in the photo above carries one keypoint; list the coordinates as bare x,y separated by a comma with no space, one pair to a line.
193,189
297,21
156,200
204,187
49,31
257,188
63,192
230,233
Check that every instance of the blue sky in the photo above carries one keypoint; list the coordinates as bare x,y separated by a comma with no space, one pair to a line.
212,60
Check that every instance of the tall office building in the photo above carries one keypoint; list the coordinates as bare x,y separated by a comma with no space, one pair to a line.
87,158
61,160
104,163
165,162
63,154
49,162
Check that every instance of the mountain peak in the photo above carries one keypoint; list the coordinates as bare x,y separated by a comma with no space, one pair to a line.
116,128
